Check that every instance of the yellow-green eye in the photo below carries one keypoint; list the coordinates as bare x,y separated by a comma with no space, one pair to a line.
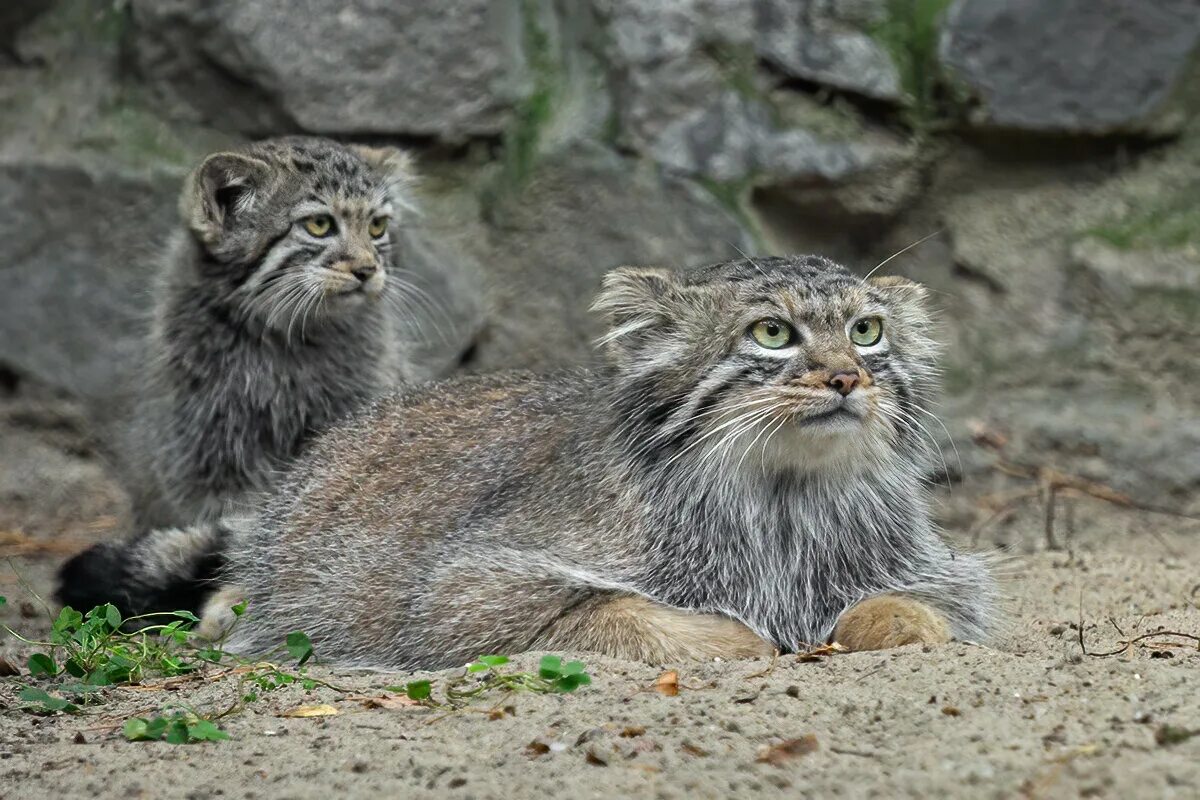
772,333
867,331
319,225
378,227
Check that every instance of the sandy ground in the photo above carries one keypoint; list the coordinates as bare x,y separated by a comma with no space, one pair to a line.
1029,716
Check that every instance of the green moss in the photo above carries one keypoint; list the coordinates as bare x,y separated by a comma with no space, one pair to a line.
522,140
738,67
1170,221
101,22
136,136
910,35
837,121
734,196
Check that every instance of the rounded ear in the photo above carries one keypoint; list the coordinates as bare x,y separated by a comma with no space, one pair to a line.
634,300
901,288
396,167
222,187
388,161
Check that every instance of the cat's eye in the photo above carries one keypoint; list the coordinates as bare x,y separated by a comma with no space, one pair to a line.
867,331
377,227
772,333
319,225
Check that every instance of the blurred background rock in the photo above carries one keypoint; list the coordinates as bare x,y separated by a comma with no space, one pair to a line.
1052,145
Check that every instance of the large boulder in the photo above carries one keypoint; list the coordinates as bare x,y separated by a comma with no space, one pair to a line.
449,69
1092,67
830,42
583,212
689,93
82,240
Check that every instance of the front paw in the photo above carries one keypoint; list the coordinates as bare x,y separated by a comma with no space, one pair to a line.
217,617
890,620
731,640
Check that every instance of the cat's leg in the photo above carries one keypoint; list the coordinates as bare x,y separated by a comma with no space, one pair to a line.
640,629
216,615
890,620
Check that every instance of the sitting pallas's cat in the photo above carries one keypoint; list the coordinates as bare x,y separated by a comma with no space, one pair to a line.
275,318
745,473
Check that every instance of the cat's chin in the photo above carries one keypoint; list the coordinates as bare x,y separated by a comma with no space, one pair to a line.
828,441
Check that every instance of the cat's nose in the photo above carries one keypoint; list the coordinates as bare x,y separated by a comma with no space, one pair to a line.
843,382
364,272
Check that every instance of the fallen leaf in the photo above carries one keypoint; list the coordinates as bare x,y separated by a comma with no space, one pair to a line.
789,750
667,683
821,651
594,758
632,731
951,711
322,710
692,750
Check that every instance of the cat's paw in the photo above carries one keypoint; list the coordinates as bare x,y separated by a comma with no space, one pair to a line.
731,640
890,620
217,617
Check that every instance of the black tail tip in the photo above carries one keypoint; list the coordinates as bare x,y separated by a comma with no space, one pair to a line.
91,578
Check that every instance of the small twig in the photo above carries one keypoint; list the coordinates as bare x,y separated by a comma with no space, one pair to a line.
1125,644
845,751
768,669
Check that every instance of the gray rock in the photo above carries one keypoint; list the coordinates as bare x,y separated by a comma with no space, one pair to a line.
829,42
584,212
690,96
450,69
76,287
1122,273
1075,66
670,73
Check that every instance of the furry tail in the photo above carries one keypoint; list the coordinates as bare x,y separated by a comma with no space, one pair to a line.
169,569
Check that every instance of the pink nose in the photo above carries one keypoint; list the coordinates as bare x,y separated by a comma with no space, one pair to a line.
843,382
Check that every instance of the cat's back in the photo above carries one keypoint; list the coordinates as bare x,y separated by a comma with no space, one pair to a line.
418,459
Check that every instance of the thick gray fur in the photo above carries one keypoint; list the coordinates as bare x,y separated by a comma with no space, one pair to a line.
696,469
260,338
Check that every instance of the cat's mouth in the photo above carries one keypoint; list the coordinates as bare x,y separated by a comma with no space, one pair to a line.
843,412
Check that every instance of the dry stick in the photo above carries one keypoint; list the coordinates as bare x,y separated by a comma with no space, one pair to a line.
1054,482
1128,643
769,668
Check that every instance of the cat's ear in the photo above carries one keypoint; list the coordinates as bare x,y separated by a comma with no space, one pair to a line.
901,289
396,167
634,301
218,190
388,161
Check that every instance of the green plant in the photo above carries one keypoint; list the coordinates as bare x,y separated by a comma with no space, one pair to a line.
910,34
95,649
88,654
522,138
484,676
179,728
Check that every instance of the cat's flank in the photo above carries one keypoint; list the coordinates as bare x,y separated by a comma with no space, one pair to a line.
745,473
275,317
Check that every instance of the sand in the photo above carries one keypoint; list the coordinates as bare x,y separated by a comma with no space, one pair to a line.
1028,715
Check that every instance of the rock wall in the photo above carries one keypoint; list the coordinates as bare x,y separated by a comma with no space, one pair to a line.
1051,146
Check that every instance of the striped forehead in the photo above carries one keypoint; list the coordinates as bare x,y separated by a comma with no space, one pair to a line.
798,287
